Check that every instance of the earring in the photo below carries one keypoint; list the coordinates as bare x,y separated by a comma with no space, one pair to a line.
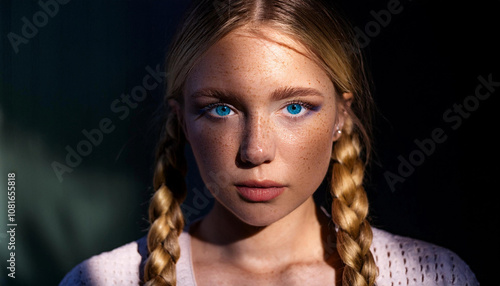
339,131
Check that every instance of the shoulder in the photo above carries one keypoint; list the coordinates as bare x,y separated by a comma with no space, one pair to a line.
406,261
124,266
121,266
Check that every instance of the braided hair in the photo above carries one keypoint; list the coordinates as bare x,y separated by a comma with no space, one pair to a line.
165,212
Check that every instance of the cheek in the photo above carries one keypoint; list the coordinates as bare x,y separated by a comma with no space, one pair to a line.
311,148
214,145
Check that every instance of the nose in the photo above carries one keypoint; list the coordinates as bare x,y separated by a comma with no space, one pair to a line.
258,145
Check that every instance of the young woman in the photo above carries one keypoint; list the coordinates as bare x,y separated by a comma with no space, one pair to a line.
272,99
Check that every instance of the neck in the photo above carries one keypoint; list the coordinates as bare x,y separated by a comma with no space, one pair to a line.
301,235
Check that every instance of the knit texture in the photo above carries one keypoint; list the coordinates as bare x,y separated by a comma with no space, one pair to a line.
401,261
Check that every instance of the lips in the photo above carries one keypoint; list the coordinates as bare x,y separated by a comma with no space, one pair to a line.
260,191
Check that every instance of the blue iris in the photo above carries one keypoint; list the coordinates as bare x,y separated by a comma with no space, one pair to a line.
294,108
222,110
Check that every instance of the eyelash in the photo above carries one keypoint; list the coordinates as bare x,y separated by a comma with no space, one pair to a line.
207,108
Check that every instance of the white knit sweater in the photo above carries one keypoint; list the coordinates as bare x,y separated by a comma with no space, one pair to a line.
401,261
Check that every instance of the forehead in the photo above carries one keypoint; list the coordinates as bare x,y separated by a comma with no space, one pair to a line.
256,64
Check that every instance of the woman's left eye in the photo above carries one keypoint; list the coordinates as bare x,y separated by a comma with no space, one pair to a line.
296,108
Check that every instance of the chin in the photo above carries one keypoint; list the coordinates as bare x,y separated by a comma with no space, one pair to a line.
259,215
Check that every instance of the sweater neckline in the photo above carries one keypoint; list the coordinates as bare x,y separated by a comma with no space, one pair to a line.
190,252
191,265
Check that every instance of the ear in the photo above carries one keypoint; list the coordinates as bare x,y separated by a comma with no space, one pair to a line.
347,99
342,106
175,106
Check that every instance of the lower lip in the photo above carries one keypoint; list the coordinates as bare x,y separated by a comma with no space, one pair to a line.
259,194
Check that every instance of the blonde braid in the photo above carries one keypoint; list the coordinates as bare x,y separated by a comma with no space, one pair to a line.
165,215
350,210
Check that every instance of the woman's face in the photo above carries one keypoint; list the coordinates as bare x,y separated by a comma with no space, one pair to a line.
261,119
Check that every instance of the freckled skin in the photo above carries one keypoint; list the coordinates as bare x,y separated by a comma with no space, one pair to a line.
293,152
277,242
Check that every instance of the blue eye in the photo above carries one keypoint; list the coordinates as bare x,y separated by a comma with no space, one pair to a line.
222,110
294,108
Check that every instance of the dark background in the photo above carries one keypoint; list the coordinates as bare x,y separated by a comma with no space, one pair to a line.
63,80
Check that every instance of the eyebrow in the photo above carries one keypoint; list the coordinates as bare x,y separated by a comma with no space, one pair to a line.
277,95
289,91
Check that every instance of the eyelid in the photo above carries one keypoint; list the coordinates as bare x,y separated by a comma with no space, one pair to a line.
301,103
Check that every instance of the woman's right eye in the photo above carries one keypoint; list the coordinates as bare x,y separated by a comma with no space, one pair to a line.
220,110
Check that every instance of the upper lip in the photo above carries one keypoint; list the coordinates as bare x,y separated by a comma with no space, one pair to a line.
259,184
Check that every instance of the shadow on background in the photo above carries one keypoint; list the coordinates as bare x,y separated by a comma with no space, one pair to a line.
70,76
